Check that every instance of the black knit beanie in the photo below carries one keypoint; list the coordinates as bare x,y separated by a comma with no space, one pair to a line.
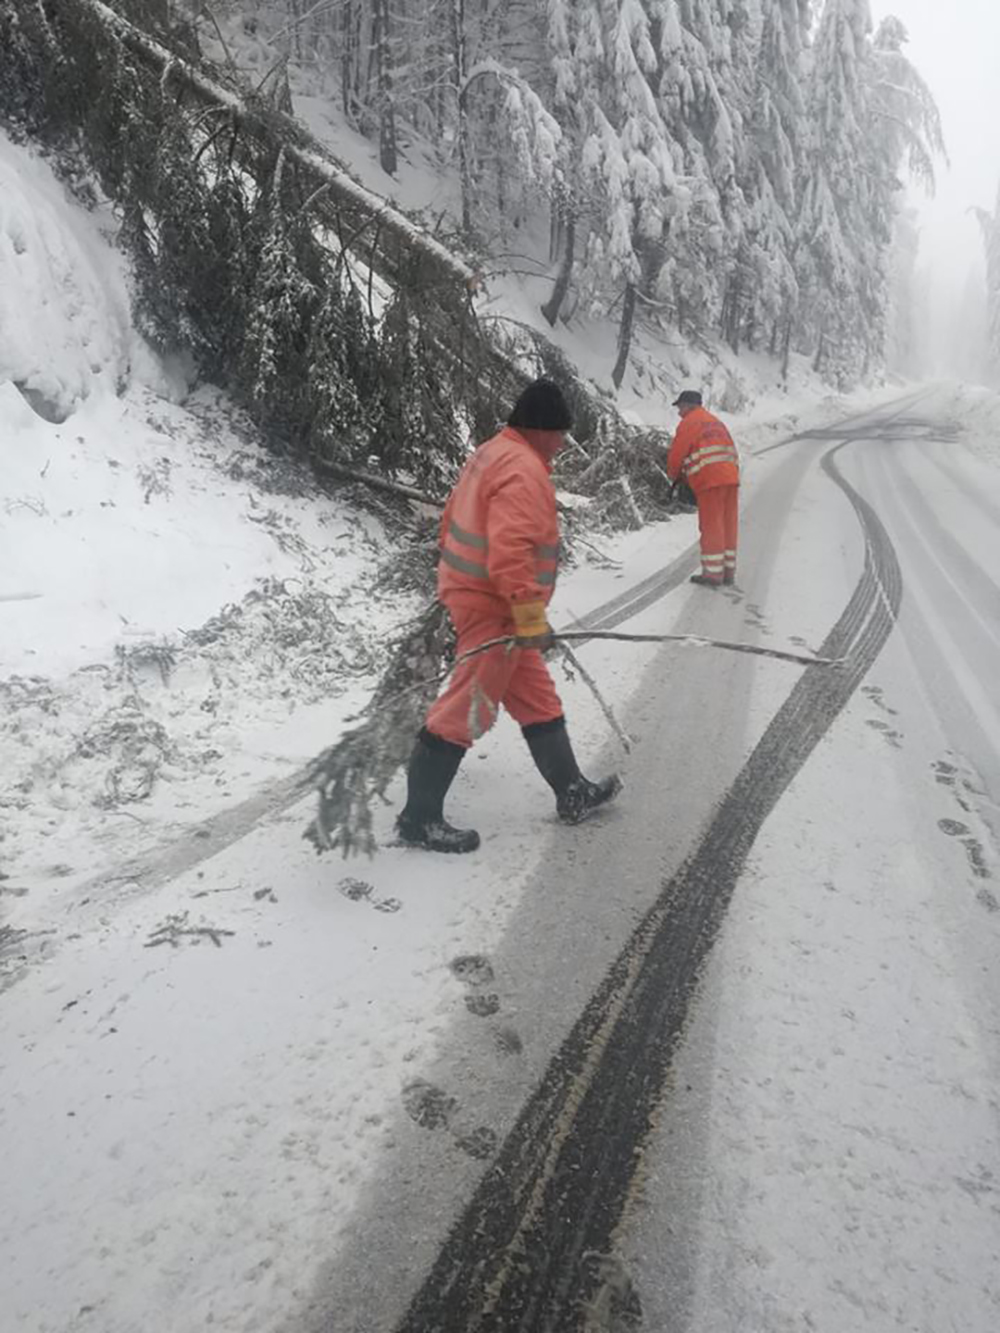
541,407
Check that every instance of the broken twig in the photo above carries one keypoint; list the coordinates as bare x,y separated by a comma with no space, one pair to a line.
602,703
175,928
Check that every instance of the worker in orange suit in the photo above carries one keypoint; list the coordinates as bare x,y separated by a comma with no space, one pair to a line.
499,556
703,453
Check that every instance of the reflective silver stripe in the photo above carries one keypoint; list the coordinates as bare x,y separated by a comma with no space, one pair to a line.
546,577
712,447
709,450
547,552
716,447
712,458
464,566
467,538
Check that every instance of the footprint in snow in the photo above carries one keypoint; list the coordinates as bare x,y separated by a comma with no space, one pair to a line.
427,1106
431,1107
892,736
508,1041
476,971
755,617
359,890
479,1143
876,694
954,828
977,858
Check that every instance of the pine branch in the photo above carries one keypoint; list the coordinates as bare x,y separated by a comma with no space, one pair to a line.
355,771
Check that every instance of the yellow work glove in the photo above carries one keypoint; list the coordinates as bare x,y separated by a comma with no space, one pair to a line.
531,626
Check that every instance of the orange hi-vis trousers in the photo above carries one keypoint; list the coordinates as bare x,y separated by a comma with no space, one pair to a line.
514,678
718,521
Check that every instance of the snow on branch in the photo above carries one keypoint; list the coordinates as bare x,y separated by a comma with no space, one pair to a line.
299,145
537,135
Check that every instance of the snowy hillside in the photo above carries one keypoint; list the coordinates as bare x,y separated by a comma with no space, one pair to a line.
183,616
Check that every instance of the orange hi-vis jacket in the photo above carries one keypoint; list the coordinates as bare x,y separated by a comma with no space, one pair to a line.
500,531
703,452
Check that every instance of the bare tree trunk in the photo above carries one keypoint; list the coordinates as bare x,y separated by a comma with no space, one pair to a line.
459,57
730,315
786,347
348,59
553,305
295,13
388,150
820,353
624,335
735,304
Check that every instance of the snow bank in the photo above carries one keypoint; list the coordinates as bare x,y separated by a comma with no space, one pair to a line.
65,328
976,413
172,597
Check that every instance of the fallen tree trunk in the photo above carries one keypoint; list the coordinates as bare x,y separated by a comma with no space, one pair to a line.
337,195
377,483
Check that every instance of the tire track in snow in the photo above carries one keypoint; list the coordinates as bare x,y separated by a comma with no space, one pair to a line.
533,1248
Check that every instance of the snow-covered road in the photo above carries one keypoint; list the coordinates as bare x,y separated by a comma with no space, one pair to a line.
822,1145
829,1155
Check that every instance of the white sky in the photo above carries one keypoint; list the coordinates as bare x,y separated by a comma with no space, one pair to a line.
955,44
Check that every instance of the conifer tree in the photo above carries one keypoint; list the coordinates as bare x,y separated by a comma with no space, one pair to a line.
766,284
840,252
990,226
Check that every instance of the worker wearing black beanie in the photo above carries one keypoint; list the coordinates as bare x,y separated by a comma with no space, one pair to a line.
542,406
499,561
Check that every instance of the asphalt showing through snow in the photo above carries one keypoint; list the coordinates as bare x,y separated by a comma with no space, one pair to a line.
521,1256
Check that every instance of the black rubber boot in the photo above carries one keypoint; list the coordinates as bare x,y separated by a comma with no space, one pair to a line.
432,770
704,581
729,577
576,796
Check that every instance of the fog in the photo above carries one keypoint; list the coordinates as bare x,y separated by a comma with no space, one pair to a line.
956,47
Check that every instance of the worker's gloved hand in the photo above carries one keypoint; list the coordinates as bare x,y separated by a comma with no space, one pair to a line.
531,626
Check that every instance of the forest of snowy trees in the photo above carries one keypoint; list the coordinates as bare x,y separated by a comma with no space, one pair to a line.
709,170
730,168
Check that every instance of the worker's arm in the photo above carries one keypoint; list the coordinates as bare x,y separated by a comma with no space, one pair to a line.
681,445
521,509
445,518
